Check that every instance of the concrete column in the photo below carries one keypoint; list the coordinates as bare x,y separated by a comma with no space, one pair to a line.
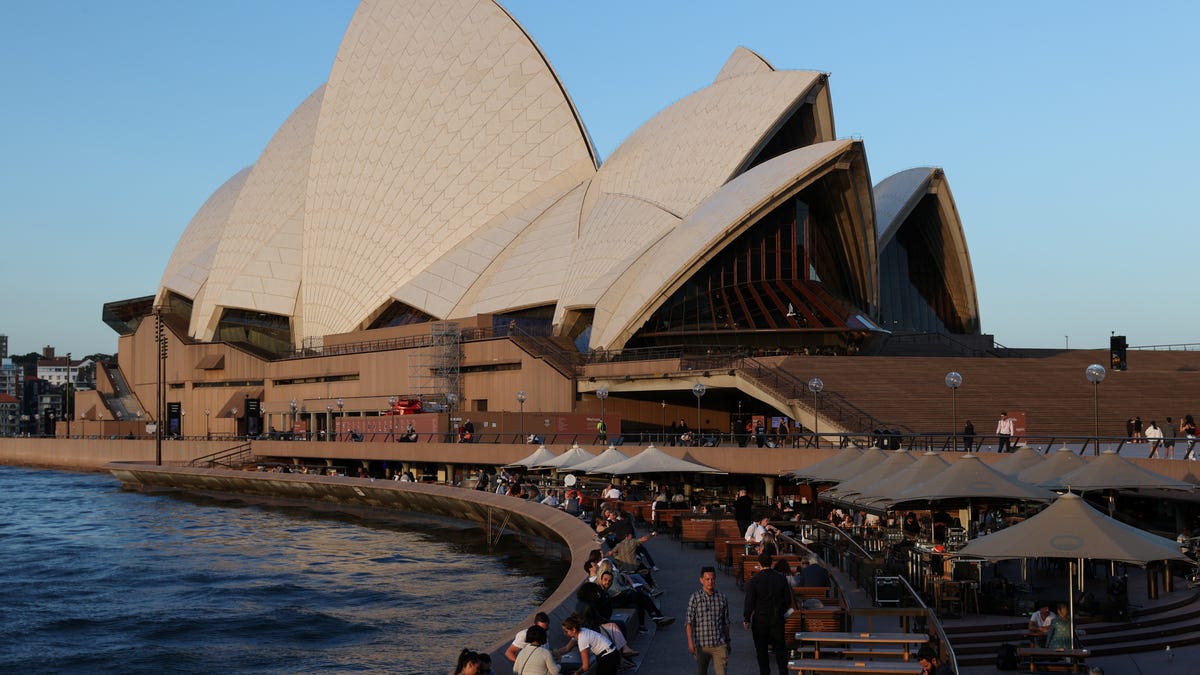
769,488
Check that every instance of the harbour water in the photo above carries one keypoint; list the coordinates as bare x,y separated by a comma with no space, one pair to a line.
100,580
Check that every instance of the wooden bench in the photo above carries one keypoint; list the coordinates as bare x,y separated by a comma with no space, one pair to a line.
839,666
831,620
665,520
863,641
1040,659
822,593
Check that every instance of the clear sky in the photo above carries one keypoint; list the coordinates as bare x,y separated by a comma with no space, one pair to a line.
1067,130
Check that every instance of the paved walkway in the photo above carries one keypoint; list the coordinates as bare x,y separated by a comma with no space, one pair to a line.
664,651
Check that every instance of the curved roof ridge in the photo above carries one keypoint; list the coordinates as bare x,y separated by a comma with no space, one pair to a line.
440,116
743,61
258,266
190,263
895,198
566,94
719,220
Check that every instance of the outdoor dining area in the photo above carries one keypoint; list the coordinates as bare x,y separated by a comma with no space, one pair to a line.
1007,535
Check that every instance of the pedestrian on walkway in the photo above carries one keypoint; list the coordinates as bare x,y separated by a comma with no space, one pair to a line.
1004,432
708,635
764,611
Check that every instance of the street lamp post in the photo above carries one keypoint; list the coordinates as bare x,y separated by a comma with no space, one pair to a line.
182,417
451,399
698,390
233,413
1095,374
328,422
815,385
954,381
292,427
521,396
207,428
341,403
67,397
664,422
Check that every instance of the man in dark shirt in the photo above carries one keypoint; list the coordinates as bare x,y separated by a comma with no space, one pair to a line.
812,573
743,510
768,598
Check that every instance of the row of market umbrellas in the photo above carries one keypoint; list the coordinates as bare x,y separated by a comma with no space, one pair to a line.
612,462
1069,528
874,478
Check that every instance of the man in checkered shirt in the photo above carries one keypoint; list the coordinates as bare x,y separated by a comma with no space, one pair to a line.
708,625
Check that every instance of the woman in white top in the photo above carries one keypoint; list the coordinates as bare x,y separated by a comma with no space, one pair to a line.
590,643
534,658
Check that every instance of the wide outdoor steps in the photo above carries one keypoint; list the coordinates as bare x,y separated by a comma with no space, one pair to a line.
1153,629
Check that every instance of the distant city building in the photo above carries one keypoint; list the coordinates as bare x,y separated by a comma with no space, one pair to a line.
58,371
10,415
10,377
3,346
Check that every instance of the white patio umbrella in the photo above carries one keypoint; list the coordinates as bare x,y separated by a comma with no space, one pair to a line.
927,466
573,456
536,457
607,458
971,478
1071,529
895,462
843,456
653,460
1111,471
1063,460
1017,461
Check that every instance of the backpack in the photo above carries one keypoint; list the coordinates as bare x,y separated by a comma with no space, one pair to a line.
1006,658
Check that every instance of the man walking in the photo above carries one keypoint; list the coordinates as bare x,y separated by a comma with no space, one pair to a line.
743,510
768,598
708,634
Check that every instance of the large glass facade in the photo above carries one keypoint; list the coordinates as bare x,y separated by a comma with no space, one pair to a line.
782,276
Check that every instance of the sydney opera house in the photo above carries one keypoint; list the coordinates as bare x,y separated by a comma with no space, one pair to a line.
433,223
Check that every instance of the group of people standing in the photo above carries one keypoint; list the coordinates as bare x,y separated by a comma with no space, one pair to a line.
1164,436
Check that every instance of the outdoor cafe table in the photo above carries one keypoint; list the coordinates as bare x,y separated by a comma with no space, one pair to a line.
842,666
1039,656
851,638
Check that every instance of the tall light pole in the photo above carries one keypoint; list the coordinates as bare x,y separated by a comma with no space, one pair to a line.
451,399
1095,374
328,422
815,385
67,397
182,417
207,428
698,390
664,422
602,393
292,427
521,396
954,381
233,413
341,404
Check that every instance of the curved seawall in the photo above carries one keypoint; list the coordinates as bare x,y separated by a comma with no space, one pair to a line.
570,537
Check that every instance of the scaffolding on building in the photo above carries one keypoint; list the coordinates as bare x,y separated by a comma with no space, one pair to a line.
436,371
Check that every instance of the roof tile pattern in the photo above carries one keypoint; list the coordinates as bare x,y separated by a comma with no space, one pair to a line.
257,264
676,161
439,116
190,262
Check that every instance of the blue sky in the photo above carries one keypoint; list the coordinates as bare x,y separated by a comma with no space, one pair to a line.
1067,131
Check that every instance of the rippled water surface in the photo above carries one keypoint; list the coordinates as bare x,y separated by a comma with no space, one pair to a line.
99,580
